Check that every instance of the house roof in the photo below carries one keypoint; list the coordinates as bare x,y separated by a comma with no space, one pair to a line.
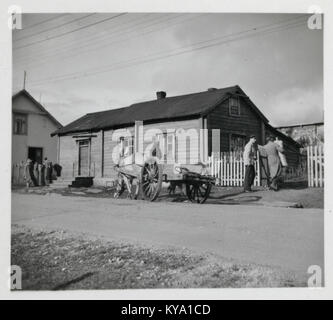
301,125
167,109
38,105
283,136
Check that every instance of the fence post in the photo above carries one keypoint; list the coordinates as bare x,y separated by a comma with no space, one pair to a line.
211,163
311,166
224,163
237,172
231,169
308,163
218,168
320,157
316,165
18,173
241,167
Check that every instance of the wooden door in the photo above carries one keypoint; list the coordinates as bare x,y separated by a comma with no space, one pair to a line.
84,158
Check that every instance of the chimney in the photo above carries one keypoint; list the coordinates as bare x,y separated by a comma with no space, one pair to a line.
160,95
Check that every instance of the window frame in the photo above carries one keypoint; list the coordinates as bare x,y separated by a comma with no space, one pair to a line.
237,135
164,142
19,114
126,141
230,103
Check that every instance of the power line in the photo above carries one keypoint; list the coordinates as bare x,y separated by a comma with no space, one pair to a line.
133,62
55,54
69,32
113,33
42,22
54,27
79,48
61,47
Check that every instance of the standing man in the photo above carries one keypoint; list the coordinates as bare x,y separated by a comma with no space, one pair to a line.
274,163
249,157
48,171
29,173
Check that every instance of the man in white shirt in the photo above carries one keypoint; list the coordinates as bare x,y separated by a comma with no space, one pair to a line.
249,156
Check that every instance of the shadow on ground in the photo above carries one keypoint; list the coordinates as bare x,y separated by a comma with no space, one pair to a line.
295,195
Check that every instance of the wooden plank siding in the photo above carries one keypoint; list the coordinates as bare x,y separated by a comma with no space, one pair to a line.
247,123
109,145
101,160
192,146
68,155
96,155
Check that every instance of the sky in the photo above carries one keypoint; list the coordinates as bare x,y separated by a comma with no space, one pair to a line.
87,62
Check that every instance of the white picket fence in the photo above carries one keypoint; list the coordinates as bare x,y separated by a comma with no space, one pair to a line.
229,169
315,166
18,174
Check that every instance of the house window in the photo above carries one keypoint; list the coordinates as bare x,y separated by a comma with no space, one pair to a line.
126,145
234,106
167,144
237,142
19,123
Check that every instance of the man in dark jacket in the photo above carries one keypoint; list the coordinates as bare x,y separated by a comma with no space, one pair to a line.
249,156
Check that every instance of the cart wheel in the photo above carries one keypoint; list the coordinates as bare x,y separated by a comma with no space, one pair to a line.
198,192
151,180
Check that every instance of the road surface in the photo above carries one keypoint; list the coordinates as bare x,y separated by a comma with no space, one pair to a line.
288,238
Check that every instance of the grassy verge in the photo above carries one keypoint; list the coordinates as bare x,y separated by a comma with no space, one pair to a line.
57,260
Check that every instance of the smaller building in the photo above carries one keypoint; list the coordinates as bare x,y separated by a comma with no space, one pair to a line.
31,130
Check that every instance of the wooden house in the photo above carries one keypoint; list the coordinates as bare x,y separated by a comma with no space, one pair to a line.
31,130
229,116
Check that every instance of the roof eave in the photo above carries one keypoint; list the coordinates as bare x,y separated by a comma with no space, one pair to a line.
29,96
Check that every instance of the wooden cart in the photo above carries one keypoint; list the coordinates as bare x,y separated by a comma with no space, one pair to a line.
146,179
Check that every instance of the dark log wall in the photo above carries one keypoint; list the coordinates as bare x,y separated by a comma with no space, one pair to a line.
247,123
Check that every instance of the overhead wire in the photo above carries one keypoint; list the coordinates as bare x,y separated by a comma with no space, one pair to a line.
69,32
86,42
107,44
42,22
53,28
83,39
162,55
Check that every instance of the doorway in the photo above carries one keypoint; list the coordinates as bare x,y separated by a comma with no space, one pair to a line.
84,158
35,154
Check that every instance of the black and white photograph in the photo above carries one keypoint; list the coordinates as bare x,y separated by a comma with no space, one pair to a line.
179,149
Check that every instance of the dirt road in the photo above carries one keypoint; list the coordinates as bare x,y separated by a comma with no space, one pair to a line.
288,238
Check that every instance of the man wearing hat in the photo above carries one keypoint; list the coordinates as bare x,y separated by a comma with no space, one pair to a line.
29,174
249,156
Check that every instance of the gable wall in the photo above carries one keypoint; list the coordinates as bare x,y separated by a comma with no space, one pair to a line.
247,124
39,128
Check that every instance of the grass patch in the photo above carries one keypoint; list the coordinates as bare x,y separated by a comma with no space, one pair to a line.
57,260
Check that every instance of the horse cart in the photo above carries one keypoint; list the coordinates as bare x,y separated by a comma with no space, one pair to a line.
143,179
